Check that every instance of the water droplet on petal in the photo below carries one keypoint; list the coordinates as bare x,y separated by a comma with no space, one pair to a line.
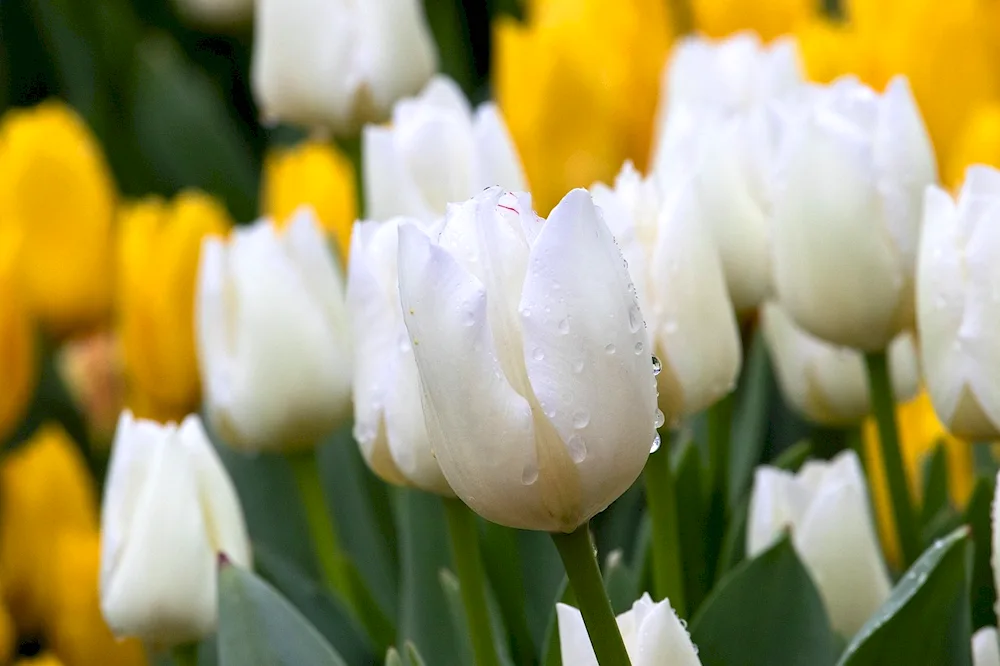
656,443
659,418
564,325
634,318
577,448
538,354
609,348
526,313
638,348
468,318
657,366
581,419
529,474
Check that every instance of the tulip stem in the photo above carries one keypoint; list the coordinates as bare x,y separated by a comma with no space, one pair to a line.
468,563
884,408
578,556
661,498
185,654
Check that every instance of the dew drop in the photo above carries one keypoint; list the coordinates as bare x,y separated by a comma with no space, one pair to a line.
468,318
657,366
656,443
529,474
659,419
526,313
564,325
577,448
638,348
609,348
581,419
634,318
538,354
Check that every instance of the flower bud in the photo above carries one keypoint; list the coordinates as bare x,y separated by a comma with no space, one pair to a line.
436,152
336,63
958,304
169,510
826,383
825,506
273,337
535,365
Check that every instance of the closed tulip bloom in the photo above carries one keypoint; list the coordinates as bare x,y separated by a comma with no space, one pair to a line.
771,19
681,289
338,64
169,510
653,635
436,151
958,311
17,342
827,383
535,365
158,249
985,650
272,336
388,415
847,218
825,506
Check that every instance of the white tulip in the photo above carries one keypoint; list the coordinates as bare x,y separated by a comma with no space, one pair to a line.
826,383
216,12
985,650
681,288
388,415
653,635
169,510
958,304
847,214
336,63
535,365
826,508
272,334
436,152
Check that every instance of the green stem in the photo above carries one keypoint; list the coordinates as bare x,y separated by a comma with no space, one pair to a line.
321,526
580,561
468,563
185,654
884,408
661,498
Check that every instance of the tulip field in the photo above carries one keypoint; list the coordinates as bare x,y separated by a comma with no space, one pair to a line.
499,333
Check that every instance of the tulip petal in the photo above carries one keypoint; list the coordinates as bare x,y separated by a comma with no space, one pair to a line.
662,639
985,650
574,641
389,189
498,161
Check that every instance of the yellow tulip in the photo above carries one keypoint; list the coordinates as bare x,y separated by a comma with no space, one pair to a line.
75,626
770,19
920,431
315,174
578,85
57,194
44,488
979,143
158,249
45,659
17,346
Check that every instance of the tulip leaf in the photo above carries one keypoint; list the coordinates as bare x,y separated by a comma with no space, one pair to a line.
935,496
691,522
792,458
765,611
925,620
983,595
616,526
453,593
544,578
259,627
392,658
327,613
734,543
750,419
502,561
551,651
620,582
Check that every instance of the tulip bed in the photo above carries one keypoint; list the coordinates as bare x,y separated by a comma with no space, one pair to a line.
499,333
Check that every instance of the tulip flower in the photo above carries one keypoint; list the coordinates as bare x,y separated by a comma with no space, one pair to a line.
272,336
985,650
848,212
653,635
436,152
958,304
17,342
169,510
534,361
827,383
216,13
825,506
338,64
772,19
388,415
681,289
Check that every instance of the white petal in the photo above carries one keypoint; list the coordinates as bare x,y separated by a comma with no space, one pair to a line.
661,640
389,187
995,553
769,512
214,319
904,367
499,163
574,641
984,647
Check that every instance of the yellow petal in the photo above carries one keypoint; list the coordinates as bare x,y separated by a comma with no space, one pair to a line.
158,248
46,659
57,194
979,143
718,18
17,345
314,174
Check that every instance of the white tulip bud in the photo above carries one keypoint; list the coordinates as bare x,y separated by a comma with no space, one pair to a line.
169,510
847,214
826,508
535,365
388,414
826,383
652,632
985,650
217,13
272,334
338,64
958,304
436,152
681,288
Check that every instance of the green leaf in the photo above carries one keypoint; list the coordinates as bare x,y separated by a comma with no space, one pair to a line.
502,561
392,658
544,581
413,657
620,582
327,613
792,458
616,527
935,484
551,652
750,419
691,519
734,543
977,516
767,611
258,627
912,625
453,593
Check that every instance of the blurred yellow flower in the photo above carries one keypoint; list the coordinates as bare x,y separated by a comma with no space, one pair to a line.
75,627
919,433
718,18
8,635
57,194
158,248
17,343
979,143
578,85
316,174
44,488
91,369
45,659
